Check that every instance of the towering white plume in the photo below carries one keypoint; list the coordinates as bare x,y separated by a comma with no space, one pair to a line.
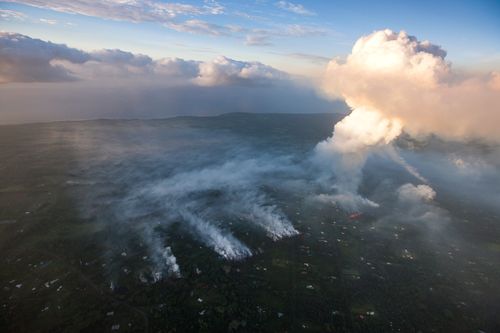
394,82
409,81
347,150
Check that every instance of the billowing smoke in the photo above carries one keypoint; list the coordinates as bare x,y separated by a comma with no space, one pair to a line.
346,151
416,204
411,193
394,83
409,81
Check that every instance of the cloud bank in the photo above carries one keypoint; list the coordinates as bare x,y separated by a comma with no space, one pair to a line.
223,70
24,59
113,83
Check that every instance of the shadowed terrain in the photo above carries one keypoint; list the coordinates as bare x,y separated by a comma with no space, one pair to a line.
214,224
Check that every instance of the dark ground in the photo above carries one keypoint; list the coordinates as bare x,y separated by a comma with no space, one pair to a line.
338,275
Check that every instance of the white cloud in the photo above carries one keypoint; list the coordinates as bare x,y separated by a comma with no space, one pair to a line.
24,59
263,37
108,64
119,84
166,13
122,57
48,21
223,70
175,16
300,30
258,40
294,8
176,67
127,10
214,7
8,14
202,27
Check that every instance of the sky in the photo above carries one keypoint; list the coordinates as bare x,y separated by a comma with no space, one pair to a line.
296,37
64,60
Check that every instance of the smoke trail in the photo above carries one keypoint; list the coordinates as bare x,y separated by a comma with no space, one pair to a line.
226,245
201,200
396,157
252,207
164,261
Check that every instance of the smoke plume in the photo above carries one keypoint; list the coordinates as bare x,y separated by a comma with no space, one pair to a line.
394,83
409,81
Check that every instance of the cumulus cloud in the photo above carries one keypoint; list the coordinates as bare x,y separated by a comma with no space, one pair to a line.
294,8
24,59
118,64
121,57
176,67
223,70
115,63
220,71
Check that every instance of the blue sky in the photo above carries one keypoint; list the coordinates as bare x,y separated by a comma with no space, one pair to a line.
296,36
